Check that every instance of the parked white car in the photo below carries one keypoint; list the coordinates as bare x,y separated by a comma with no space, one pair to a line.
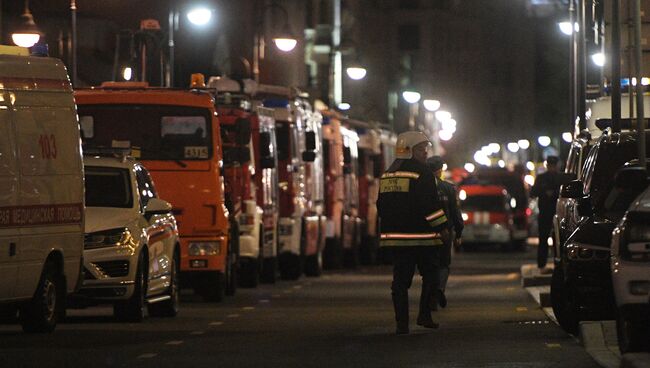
131,255
630,265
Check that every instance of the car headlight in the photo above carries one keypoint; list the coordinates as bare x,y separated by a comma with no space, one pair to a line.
107,238
204,248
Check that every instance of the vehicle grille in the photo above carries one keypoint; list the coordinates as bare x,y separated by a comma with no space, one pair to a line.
113,268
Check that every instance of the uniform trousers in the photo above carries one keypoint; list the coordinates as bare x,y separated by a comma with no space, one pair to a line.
426,258
545,224
445,260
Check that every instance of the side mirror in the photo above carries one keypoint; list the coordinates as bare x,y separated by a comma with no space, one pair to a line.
157,206
584,207
633,178
309,156
267,163
243,127
572,189
310,141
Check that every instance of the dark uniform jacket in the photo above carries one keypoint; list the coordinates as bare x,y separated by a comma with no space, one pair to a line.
449,199
547,189
409,210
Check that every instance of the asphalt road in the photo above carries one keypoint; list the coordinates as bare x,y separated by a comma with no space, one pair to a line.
342,319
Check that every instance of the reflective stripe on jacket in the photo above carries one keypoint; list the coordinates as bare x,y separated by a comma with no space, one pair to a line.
409,210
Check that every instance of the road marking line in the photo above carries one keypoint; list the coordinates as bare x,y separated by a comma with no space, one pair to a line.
234,315
298,287
264,300
197,332
522,309
216,323
248,308
147,355
553,345
174,342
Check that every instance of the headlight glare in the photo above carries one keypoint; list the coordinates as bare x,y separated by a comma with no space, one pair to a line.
204,248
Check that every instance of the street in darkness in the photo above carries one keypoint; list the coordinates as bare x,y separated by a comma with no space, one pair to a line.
343,319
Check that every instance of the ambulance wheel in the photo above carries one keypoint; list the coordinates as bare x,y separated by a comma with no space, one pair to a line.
133,309
314,265
47,305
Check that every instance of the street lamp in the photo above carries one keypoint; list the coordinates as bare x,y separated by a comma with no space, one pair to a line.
198,16
544,141
27,34
523,144
285,40
344,106
598,59
356,71
513,147
411,97
431,105
567,137
443,115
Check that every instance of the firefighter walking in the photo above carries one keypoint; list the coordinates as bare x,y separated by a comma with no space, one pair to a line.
412,224
448,197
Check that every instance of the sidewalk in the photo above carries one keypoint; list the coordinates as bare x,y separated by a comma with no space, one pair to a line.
598,337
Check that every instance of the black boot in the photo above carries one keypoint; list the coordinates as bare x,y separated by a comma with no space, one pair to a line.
401,305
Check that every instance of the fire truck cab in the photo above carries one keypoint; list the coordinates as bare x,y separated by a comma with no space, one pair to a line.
176,135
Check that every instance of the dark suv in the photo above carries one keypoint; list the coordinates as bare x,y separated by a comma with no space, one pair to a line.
581,287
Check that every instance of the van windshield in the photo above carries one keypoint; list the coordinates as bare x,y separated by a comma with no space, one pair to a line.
108,187
487,203
162,132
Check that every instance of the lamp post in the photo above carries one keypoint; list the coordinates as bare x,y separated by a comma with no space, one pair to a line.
27,34
199,16
285,41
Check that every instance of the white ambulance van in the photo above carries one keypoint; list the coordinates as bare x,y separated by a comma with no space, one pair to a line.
41,190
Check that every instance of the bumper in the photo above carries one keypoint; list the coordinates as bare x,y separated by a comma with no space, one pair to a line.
109,273
289,236
486,234
631,281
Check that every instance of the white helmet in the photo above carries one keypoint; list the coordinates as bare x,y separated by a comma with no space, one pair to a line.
406,141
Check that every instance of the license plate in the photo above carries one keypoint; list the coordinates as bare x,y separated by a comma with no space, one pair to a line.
199,263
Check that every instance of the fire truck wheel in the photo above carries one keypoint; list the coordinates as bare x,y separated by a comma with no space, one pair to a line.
211,286
232,261
333,254
314,265
290,267
43,311
249,272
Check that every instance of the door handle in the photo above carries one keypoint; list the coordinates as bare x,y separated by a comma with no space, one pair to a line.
12,249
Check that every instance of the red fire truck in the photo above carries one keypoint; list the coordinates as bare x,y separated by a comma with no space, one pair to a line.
342,194
250,160
300,171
